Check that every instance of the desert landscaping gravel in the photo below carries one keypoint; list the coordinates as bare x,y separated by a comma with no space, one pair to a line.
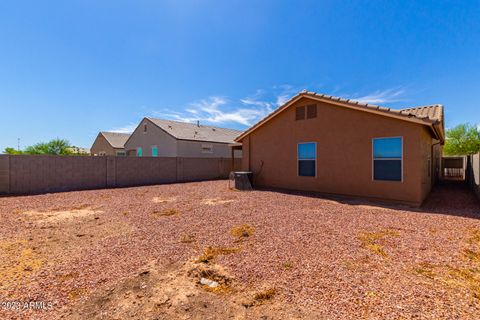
142,252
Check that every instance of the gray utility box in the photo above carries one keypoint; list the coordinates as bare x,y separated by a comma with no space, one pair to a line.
243,180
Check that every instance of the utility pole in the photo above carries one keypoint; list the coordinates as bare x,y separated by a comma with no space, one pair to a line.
18,144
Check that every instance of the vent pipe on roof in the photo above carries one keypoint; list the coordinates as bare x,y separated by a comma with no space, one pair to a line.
198,123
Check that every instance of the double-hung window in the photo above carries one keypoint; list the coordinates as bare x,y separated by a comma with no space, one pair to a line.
387,159
307,159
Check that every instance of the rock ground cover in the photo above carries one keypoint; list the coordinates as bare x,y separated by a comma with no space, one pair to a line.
143,252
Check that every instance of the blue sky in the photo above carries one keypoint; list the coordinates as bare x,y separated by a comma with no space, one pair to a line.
69,69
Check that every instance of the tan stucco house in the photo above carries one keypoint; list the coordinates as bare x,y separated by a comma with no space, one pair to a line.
109,144
326,144
168,138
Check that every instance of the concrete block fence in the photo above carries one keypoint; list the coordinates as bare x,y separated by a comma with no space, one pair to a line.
32,174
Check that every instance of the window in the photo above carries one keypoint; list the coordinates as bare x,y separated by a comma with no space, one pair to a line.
307,159
102,153
387,159
300,113
311,111
139,152
154,151
120,153
207,148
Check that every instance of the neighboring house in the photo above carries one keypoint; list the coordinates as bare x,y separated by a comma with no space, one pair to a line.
79,150
167,138
109,144
326,144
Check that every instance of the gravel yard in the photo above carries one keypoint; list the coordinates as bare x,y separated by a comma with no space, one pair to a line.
143,253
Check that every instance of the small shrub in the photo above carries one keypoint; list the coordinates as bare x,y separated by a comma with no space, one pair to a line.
187,238
211,253
263,296
425,269
242,231
370,240
287,265
165,213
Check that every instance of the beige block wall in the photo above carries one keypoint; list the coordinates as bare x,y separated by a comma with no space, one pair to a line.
344,153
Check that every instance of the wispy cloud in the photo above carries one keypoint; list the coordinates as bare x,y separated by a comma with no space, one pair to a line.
382,96
217,110
126,129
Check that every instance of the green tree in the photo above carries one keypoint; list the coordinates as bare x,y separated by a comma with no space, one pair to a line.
53,147
12,151
463,139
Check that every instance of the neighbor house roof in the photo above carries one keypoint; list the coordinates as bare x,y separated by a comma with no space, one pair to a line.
192,131
115,139
431,116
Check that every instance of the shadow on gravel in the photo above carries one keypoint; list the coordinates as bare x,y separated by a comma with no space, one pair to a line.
447,197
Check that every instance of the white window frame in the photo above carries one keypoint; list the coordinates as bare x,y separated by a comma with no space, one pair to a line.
102,153
298,160
151,151
121,153
207,145
383,159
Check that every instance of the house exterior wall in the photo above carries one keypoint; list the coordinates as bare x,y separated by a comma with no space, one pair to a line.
168,146
101,145
194,149
344,153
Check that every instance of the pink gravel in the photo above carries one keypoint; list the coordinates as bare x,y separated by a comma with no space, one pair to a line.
309,248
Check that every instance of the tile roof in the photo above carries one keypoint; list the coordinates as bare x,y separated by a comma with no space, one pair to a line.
429,115
116,140
433,112
192,131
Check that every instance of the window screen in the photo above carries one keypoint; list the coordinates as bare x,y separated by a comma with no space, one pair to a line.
300,113
311,111
307,156
387,159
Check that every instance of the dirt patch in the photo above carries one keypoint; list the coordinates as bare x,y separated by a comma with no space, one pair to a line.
62,215
216,201
18,260
211,253
164,199
170,292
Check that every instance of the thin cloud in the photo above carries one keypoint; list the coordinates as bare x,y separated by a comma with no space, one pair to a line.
214,110
126,129
382,97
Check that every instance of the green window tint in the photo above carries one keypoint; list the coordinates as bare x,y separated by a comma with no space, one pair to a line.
139,152
154,151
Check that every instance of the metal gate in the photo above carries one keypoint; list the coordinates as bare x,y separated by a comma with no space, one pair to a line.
453,168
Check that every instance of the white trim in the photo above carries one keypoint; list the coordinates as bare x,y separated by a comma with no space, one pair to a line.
373,159
298,173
